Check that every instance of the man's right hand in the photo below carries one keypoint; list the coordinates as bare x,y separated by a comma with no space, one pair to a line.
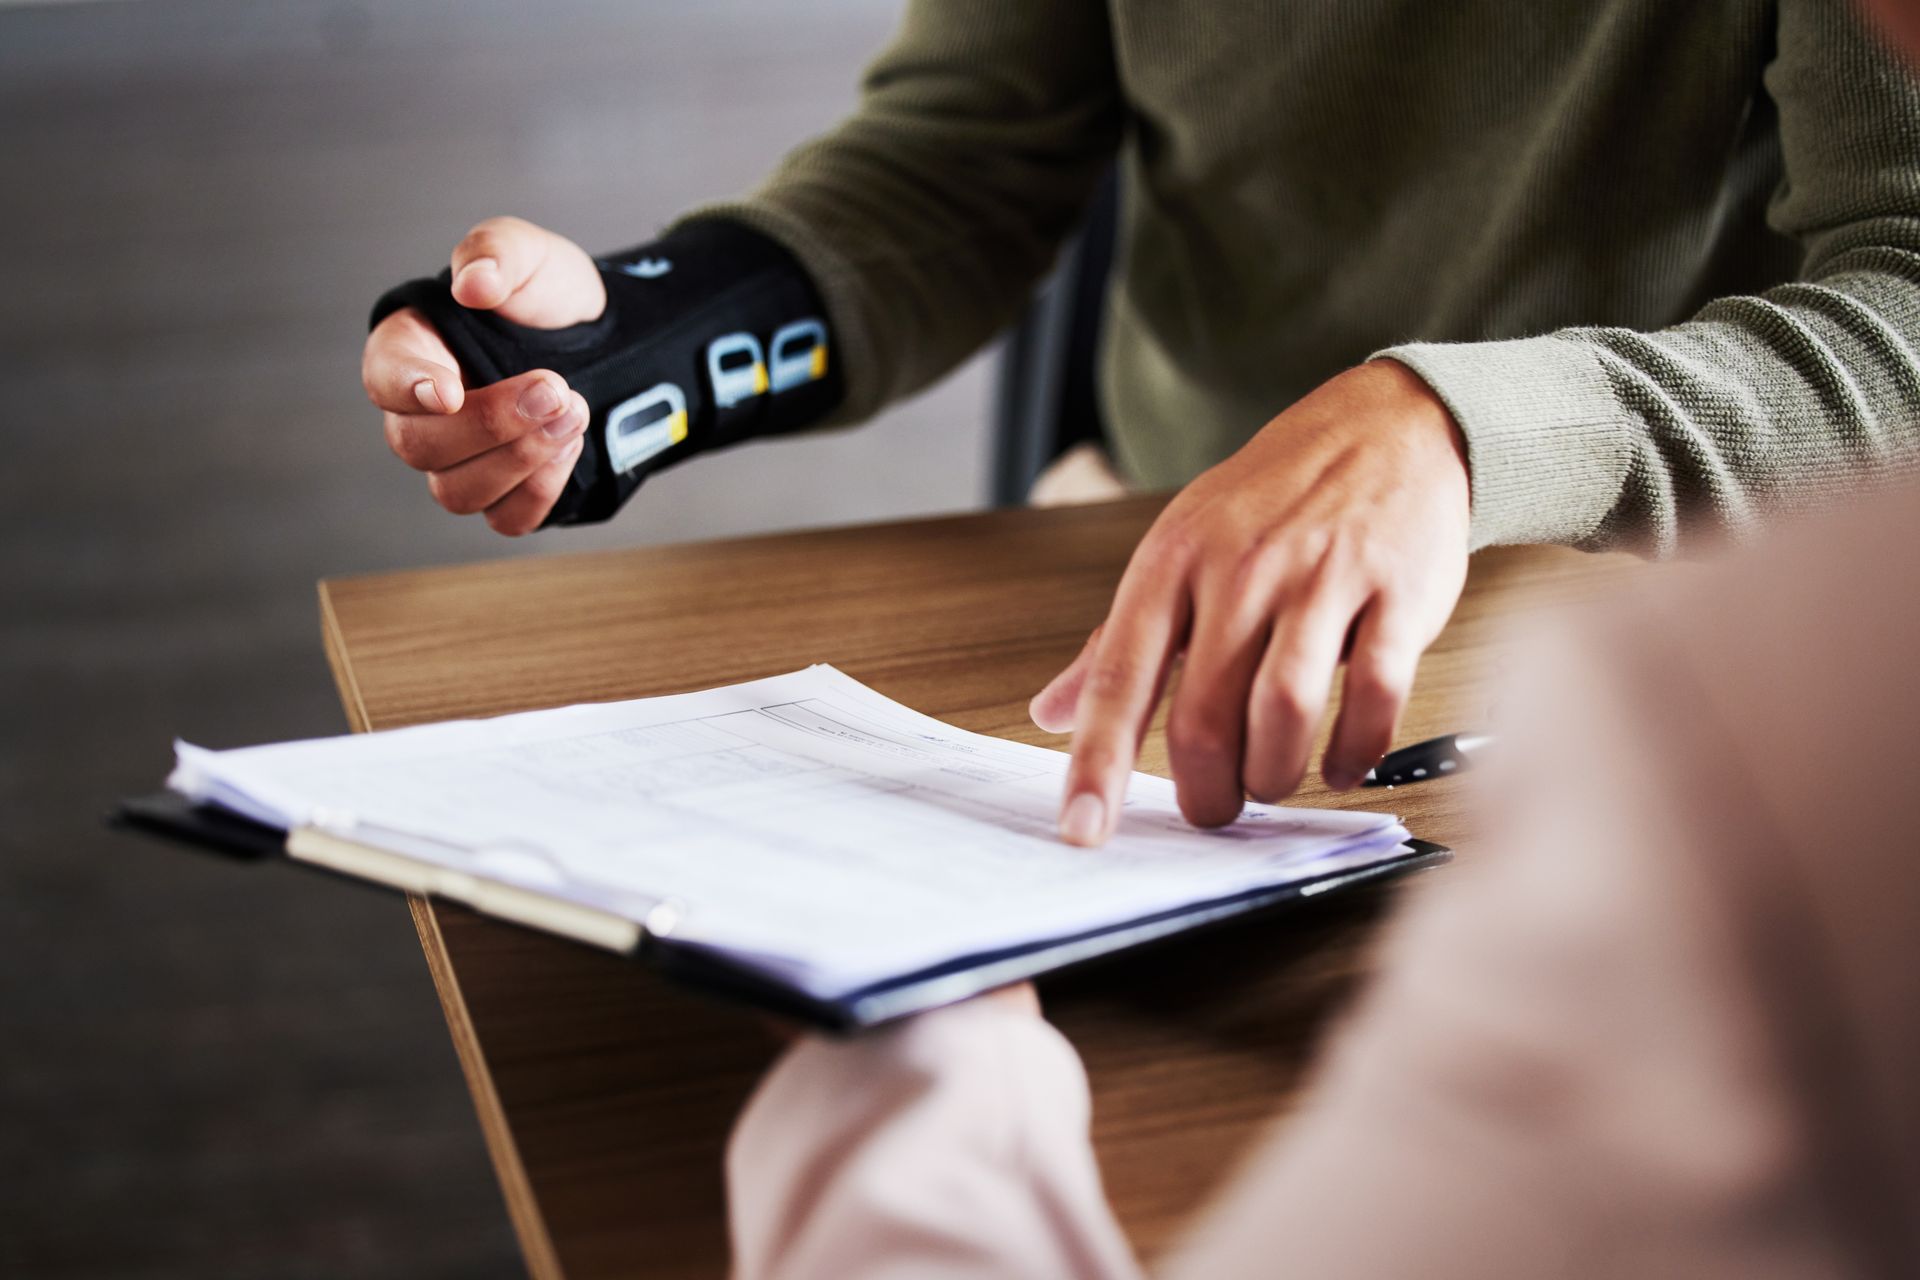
504,449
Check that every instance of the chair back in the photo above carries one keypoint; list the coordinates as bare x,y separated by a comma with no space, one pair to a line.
1046,400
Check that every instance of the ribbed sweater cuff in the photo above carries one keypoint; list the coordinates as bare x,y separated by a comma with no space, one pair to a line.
1547,440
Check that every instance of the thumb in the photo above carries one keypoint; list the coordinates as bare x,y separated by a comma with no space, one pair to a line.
528,274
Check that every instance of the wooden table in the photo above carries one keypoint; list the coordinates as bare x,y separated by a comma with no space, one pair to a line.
605,1096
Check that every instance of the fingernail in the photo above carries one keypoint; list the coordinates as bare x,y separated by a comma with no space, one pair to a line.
540,401
429,396
1340,780
478,267
1084,820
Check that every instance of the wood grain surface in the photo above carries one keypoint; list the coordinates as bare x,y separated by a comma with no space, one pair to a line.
605,1095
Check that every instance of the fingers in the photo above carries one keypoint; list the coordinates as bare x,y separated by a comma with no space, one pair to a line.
537,405
1288,695
505,449
528,274
406,367
1206,727
480,481
1123,680
1258,668
1053,707
528,503
1379,678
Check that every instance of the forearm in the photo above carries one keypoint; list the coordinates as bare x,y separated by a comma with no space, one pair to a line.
954,1144
876,259
712,335
928,216
1602,437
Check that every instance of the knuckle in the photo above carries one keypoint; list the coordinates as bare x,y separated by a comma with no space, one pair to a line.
500,419
1373,679
1288,703
400,436
528,451
1326,560
1108,680
1379,564
1169,547
450,494
1201,736
491,236
480,238
544,486
407,439
1098,759
1250,567
505,521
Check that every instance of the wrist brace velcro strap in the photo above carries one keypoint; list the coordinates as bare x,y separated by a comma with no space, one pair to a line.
712,334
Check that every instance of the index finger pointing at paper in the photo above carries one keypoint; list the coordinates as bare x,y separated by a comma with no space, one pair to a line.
1123,681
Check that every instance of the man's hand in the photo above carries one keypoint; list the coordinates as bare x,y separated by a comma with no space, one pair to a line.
1340,530
505,449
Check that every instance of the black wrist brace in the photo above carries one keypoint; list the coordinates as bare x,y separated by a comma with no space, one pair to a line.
712,334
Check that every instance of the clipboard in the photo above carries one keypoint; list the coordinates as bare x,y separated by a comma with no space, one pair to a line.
172,818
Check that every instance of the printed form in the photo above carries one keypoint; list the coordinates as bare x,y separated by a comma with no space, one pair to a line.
803,824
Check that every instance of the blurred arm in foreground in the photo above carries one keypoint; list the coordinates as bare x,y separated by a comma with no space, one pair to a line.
1666,1023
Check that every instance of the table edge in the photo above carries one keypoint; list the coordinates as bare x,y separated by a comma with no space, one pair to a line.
345,682
516,1188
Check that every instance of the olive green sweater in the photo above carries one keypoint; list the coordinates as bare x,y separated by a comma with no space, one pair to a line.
1660,257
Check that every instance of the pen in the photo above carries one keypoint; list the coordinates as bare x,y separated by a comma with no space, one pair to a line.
1434,758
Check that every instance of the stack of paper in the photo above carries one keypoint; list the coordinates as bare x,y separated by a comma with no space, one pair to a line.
804,826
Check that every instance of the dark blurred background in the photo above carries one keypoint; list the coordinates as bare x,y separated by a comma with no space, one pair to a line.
203,1071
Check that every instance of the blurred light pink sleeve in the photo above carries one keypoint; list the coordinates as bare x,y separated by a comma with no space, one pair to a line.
950,1145
1562,1070
1664,1021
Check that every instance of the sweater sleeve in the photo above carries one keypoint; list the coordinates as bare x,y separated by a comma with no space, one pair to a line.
926,218
1601,437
